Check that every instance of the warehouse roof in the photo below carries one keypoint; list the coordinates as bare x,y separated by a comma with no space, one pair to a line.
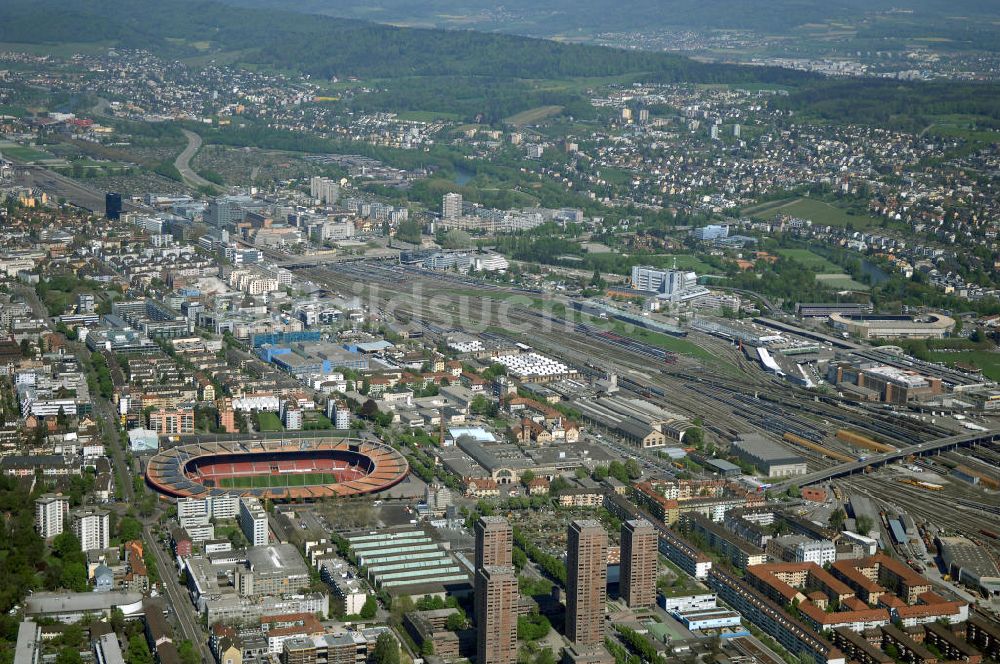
765,449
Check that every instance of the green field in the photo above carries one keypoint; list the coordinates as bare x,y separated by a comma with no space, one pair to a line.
810,260
683,262
827,273
427,116
676,345
316,422
22,153
840,281
533,115
277,481
815,211
59,50
986,361
269,422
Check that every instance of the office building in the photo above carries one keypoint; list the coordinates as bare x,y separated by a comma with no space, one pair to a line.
276,569
253,521
92,527
50,514
711,232
451,206
587,580
496,614
494,541
638,563
113,205
670,285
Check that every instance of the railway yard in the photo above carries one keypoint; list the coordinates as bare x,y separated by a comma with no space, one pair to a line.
728,391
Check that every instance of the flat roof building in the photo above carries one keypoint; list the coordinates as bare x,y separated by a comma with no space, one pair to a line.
770,458
587,582
494,541
639,563
51,510
496,614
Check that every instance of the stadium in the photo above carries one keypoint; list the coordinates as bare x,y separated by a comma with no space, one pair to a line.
279,470
926,326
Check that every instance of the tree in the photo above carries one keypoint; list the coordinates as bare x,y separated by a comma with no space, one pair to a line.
546,657
369,609
369,410
187,653
386,649
427,648
456,621
558,485
633,469
837,518
532,627
456,239
694,436
138,650
129,529
65,545
863,524
527,476
616,469
480,405
69,655
72,636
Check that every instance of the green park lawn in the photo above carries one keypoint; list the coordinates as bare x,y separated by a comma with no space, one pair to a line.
986,361
818,212
270,422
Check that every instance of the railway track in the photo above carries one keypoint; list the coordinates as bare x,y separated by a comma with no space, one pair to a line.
644,369
945,512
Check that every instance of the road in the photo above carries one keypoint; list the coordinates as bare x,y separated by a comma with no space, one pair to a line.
876,460
106,417
178,597
183,161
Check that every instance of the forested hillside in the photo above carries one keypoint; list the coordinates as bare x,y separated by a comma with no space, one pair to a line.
324,46
469,73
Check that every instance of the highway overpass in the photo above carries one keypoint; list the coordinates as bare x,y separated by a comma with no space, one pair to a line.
878,460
